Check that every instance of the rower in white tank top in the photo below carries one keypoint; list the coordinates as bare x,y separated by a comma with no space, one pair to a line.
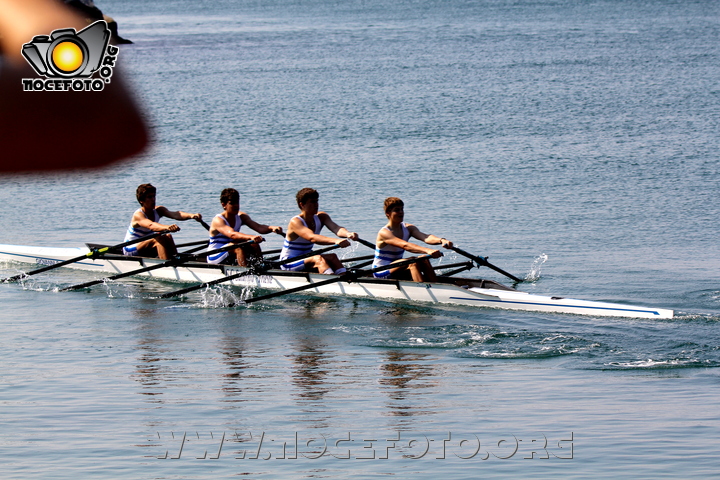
219,240
301,237
133,233
299,246
389,254
392,241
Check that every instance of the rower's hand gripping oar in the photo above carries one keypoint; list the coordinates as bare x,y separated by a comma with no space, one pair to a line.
483,262
170,263
92,254
250,271
348,276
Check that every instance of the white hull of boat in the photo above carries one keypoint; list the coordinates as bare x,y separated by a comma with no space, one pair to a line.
458,291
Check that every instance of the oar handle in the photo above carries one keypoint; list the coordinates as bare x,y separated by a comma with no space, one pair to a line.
483,261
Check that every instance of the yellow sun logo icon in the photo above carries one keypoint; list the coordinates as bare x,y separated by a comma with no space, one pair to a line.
67,56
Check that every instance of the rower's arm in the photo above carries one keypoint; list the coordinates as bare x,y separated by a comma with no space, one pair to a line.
218,226
179,215
428,238
386,237
335,228
298,229
259,227
140,220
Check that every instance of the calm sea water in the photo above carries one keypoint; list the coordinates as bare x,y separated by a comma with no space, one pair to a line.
576,143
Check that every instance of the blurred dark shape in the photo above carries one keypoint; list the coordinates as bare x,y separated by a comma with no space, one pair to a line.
58,130
91,13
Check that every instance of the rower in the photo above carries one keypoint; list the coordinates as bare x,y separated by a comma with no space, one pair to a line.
225,228
304,231
392,242
145,221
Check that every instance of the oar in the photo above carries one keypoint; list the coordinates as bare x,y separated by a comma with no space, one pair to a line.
350,276
208,284
250,271
170,263
463,266
363,265
93,253
190,244
365,242
483,261
277,263
192,250
356,259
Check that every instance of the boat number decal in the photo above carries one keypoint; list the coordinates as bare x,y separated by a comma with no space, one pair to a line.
46,261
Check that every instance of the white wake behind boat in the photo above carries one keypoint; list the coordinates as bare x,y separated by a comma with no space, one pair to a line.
447,290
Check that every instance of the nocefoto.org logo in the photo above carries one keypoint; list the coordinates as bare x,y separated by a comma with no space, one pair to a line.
68,59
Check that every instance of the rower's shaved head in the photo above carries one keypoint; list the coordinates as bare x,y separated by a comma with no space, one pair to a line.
145,190
392,202
306,194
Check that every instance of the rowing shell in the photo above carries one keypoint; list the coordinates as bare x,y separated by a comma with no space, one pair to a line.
447,290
